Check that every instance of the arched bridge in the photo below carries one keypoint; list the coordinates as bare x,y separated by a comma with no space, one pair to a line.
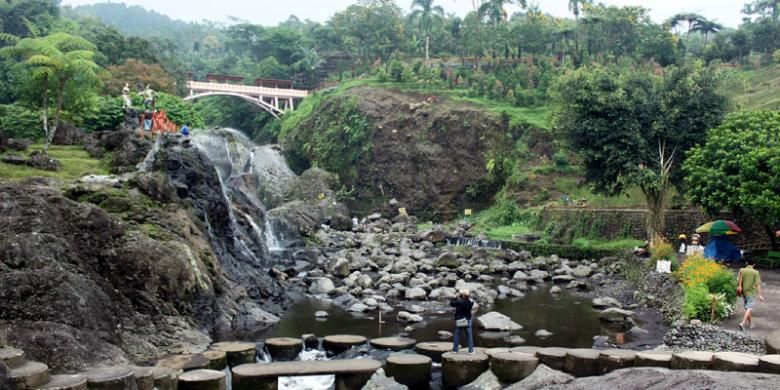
273,100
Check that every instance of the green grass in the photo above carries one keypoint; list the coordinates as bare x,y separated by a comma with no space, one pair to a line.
506,233
586,243
569,186
75,161
756,89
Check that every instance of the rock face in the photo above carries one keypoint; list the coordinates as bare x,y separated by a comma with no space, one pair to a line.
660,378
453,159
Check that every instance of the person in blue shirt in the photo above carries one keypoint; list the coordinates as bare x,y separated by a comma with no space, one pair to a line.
185,131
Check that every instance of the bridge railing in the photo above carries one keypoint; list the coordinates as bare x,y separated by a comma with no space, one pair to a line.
199,86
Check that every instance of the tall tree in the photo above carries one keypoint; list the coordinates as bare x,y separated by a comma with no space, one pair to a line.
706,27
494,10
770,8
575,6
56,61
690,18
427,14
632,129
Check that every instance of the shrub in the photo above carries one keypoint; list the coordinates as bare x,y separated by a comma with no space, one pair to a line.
724,282
696,270
776,56
661,250
18,121
698,304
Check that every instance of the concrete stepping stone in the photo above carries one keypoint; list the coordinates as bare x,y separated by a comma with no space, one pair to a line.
184,362
653,359
393,343
459,369
773,343
144,377
692,360
582,362
769,364
526,349
511,367
65,382
412,370
616,359
433,349
165,378
28,375
202,380
238,353
493,351
217,359
111,378
12,357
337,344
735,361
553,357
283,349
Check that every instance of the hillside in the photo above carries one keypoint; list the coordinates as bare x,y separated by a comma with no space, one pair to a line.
757,89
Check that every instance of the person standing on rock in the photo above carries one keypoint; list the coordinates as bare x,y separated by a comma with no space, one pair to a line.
464,307
749,286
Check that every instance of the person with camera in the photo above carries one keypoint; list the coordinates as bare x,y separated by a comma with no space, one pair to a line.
464,309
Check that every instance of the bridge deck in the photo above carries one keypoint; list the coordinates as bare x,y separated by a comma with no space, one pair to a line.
285,93
323,367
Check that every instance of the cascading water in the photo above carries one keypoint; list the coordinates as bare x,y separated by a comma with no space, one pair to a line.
253,179
474,242
145,165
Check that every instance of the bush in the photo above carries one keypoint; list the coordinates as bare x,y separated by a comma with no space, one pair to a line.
18,121
698,304
661,250
776,56
724,282
107,115
696,270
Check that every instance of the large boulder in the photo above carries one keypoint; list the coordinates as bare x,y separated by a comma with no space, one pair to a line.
380,381
67,134
616,315
496,321
321,286
543,377
42,161
416,293
447,259
486,381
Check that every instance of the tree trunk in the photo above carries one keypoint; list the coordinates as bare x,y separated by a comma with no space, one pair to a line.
427,47
655,220
57,114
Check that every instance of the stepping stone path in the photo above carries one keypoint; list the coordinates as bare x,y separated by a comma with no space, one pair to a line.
217,359
144,377
111,378
527,350
28,374
735,361
582,362
202,380
511,367
65,382
411,370
769,364
393,343
238,353
459,369
615,359
165,378
337,344
184,362
653,359
692,360
433,349
554,358
283,349
350,374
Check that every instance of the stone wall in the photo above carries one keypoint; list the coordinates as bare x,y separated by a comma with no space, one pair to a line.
568,223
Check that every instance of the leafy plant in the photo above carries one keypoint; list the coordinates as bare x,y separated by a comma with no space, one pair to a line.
696,270
724,282
18,121
661,250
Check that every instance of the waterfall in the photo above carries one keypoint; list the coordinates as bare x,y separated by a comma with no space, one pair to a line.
474,242
145,165
253,178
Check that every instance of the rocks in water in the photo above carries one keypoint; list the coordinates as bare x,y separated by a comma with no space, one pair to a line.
486,381
543,333
555,290
496,321
582,271
380,381
416,293
405,316
321,286
616,315
339,267
321,314
543,377
447,259
514,340
444,335
606,302
358,308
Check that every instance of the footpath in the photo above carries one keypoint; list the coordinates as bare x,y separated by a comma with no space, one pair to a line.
766,315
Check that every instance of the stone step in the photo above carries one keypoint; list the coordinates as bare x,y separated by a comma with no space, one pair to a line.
616,359
202,380
144,377
769,364
283,349
692,360
393,343
65,382
582,362
12,357
238,353
553,357
184,362
735,361
512,367
165,378
28,375
433,349
110,378
217,360
339,343
460,369
653,359
411,370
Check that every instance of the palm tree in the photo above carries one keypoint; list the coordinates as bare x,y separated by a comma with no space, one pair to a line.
575,6
494,9
690,18
309,63
59,58
706,27
428,14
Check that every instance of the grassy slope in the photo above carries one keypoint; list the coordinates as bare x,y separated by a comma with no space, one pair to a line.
76,163
756,89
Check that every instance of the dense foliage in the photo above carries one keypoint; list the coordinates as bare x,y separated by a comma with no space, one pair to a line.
707,284
738,167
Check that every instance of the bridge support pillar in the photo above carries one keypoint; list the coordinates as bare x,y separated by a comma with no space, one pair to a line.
276,102
292,104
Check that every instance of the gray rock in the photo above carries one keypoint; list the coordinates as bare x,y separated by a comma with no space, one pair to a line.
339,267
514,340
486,381
661,378
520,276
379,381
606,302
496,321
445,335
562,279
582,271
358,308
415,293
542,378
555,290
447,259
543,333
321,286
539,274
442,293
405,316
614,314
321,314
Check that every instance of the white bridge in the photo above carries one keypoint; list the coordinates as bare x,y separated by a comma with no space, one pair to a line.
273,100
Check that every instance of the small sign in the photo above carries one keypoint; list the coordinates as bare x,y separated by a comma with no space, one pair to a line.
467,212
322,195
402,211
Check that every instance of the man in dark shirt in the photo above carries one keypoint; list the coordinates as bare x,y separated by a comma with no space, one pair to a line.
463,309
